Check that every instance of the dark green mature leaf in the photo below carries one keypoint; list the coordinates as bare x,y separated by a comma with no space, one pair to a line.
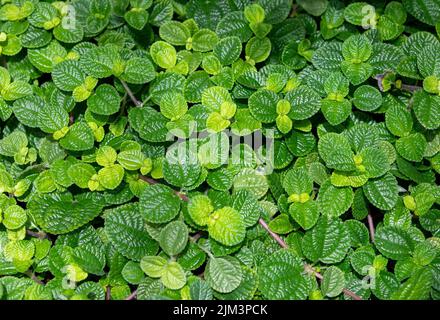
124,226
158,204
281,277
59,213
328,241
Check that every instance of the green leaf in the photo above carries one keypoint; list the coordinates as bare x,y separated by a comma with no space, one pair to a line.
173,105
359,234
247,205
297,181
398,120
59,213
245,290
281,277
251,180
105,100
181,167
90,258
305,214
333,282
153,266
262,105
200,290
328,57
281,224
14,217
223,274
199,208
234,24
137,19
150,124
13,143
304,103
173,237
425,11
315,8
258,50
159,204
204,40
80,173
163,54
326,199
124,227
68,75
375,161
382,192
367,98
426,108
393,242
335,150
412,147
360,14
78,138
173,276
417,287
111,176
226,226
138,71
174,32
132,273
16,90
327,242
228,49
336,112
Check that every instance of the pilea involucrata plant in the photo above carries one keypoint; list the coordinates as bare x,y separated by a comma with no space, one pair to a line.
227,149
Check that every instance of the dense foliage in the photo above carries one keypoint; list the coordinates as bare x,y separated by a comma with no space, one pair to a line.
120,177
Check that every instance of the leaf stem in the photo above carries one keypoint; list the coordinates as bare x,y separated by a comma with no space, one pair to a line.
149,180
410,87
371,226
132,296
34,278
39,235
276,237
108,293
136,102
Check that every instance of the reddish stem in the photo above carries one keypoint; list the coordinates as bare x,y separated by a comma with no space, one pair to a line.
371,226
132,296
108,293
149,180
276,237
136,102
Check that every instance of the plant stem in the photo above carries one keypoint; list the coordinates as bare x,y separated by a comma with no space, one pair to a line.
39,235
196,237
379,78
132,296
136,102
149,180
276,237
410,87
34,278
371,226
108,293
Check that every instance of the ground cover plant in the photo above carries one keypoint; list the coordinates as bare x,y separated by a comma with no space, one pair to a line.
227,149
